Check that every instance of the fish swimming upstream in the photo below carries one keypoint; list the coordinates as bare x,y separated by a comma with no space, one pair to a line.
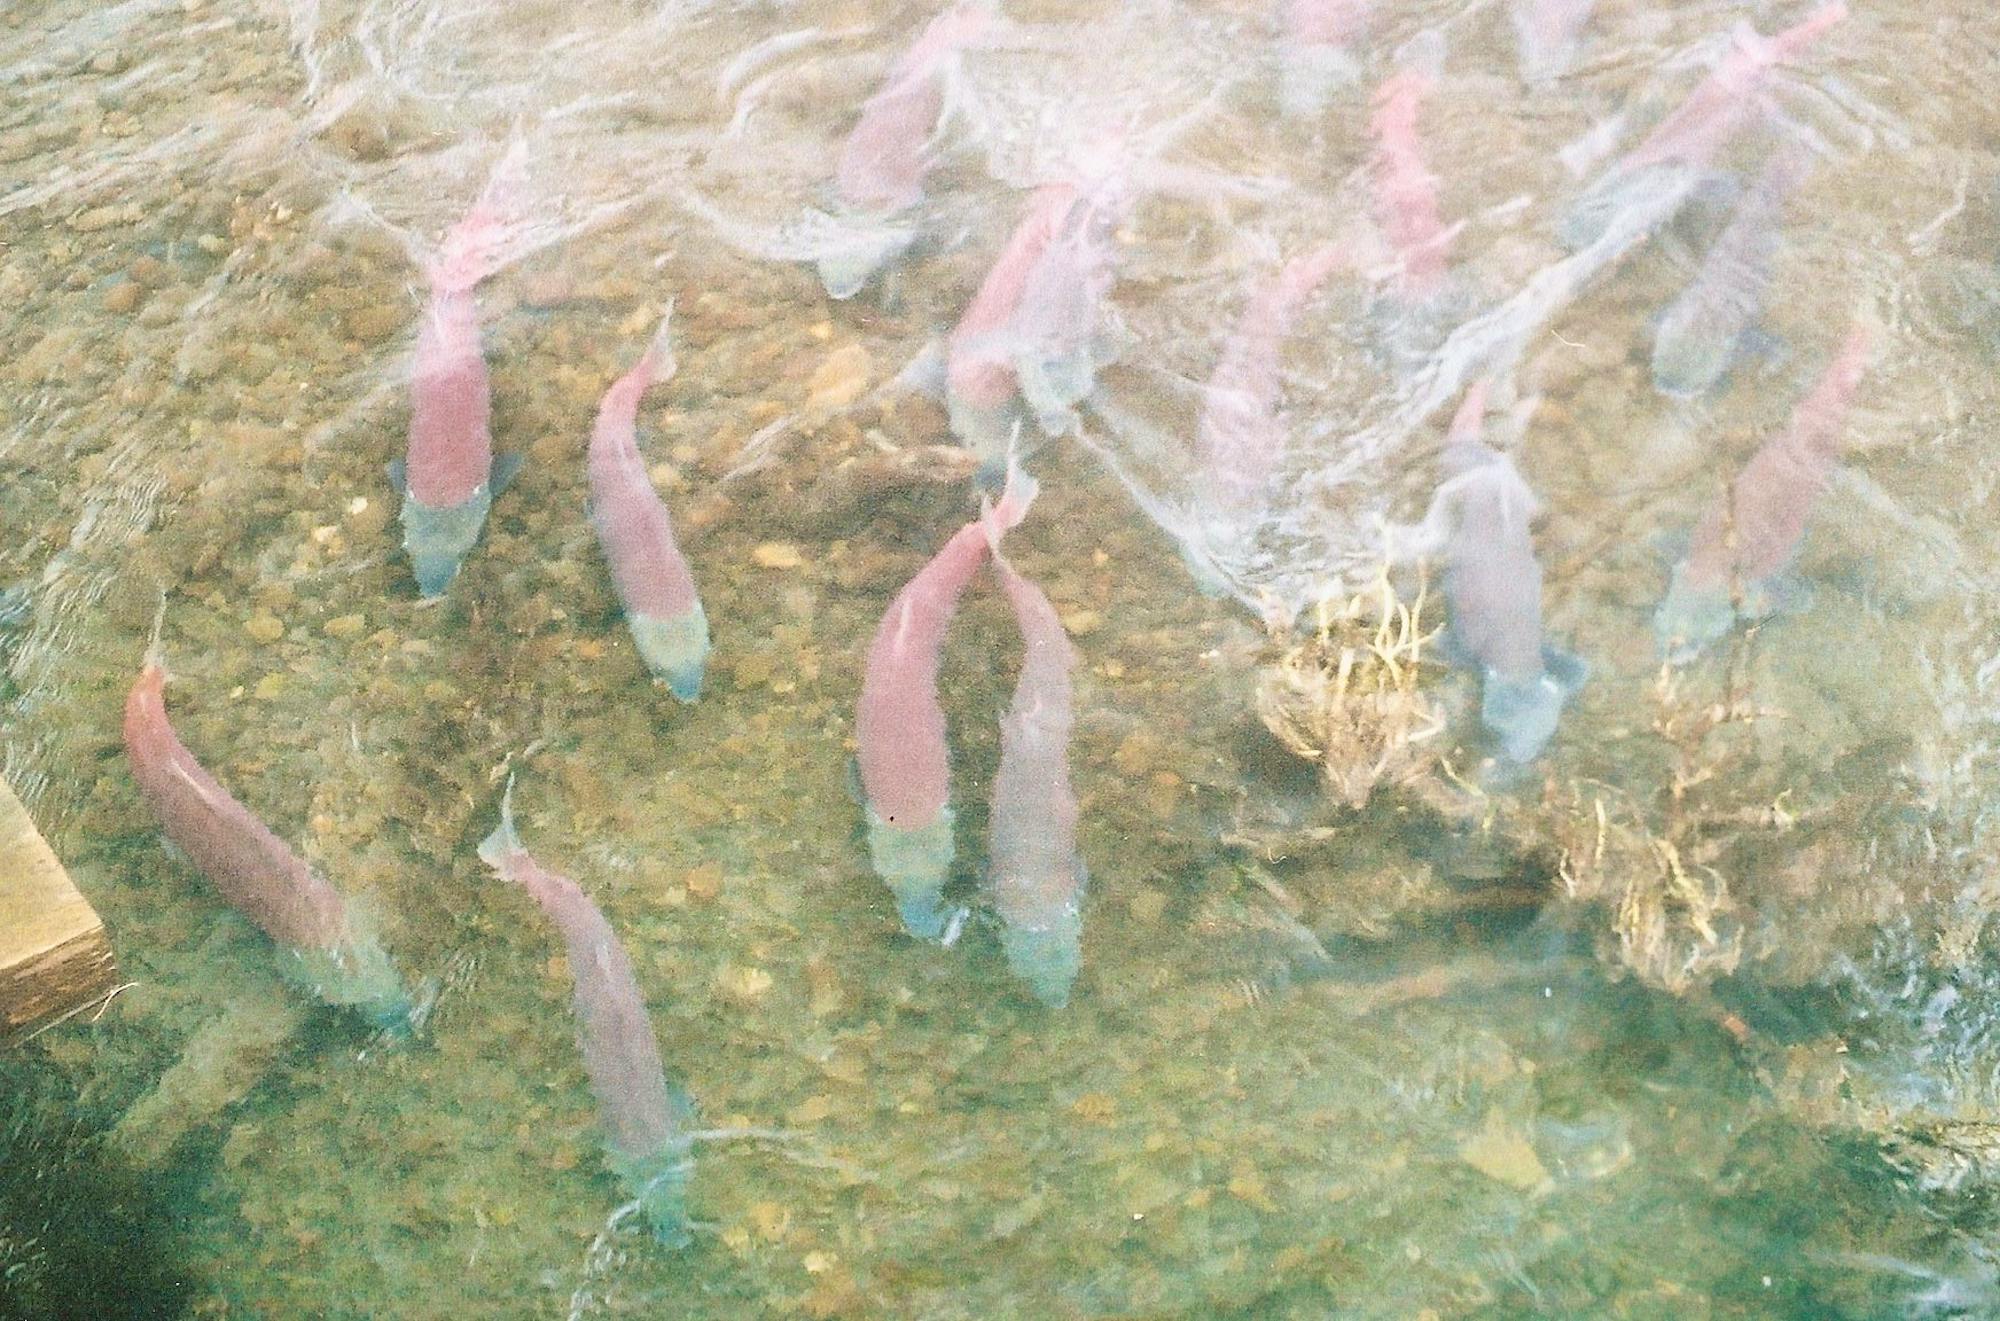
1029,344
449,475
1035,875
1240,441
1701,329
1405,190
1685,144
329,947
1493,587
892,147
653,580
647,1120
1752,532
899,726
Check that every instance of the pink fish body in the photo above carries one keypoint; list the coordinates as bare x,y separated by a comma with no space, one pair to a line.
1241,437
653,580
1728,99
448,476
979,369
1406,197
646,1119
1035,875
1747,538
1029,343
899,727
1493,586
258,873
1649,183
1699,332
451,403
1056,328
884,160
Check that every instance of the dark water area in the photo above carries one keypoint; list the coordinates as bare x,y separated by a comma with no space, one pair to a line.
1538,863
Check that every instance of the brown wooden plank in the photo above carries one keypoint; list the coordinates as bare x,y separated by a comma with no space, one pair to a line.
54,956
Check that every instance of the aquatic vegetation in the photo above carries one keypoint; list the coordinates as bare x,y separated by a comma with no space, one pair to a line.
1350,696
1649,852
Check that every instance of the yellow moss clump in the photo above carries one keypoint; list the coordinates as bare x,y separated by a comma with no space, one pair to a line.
1348,695
1673,917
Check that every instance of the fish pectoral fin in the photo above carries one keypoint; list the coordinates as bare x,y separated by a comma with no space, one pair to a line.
398,477
506,467
1566,670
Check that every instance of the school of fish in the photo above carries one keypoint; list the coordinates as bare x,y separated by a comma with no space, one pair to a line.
1019,369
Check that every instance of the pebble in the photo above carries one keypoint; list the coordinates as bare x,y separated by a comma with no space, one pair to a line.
840,379
1082,623
1500,1153
777,555
743,985
102,217
705,881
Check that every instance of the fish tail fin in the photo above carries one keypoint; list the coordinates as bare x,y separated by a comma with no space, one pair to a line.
487,237
1016,495
156,655
504,839
658,360
1470,419
1796,38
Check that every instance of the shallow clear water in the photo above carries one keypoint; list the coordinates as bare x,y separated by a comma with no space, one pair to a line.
1691,1018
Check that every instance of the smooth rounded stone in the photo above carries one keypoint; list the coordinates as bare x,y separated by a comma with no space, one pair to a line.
103,217
839,380
164,308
